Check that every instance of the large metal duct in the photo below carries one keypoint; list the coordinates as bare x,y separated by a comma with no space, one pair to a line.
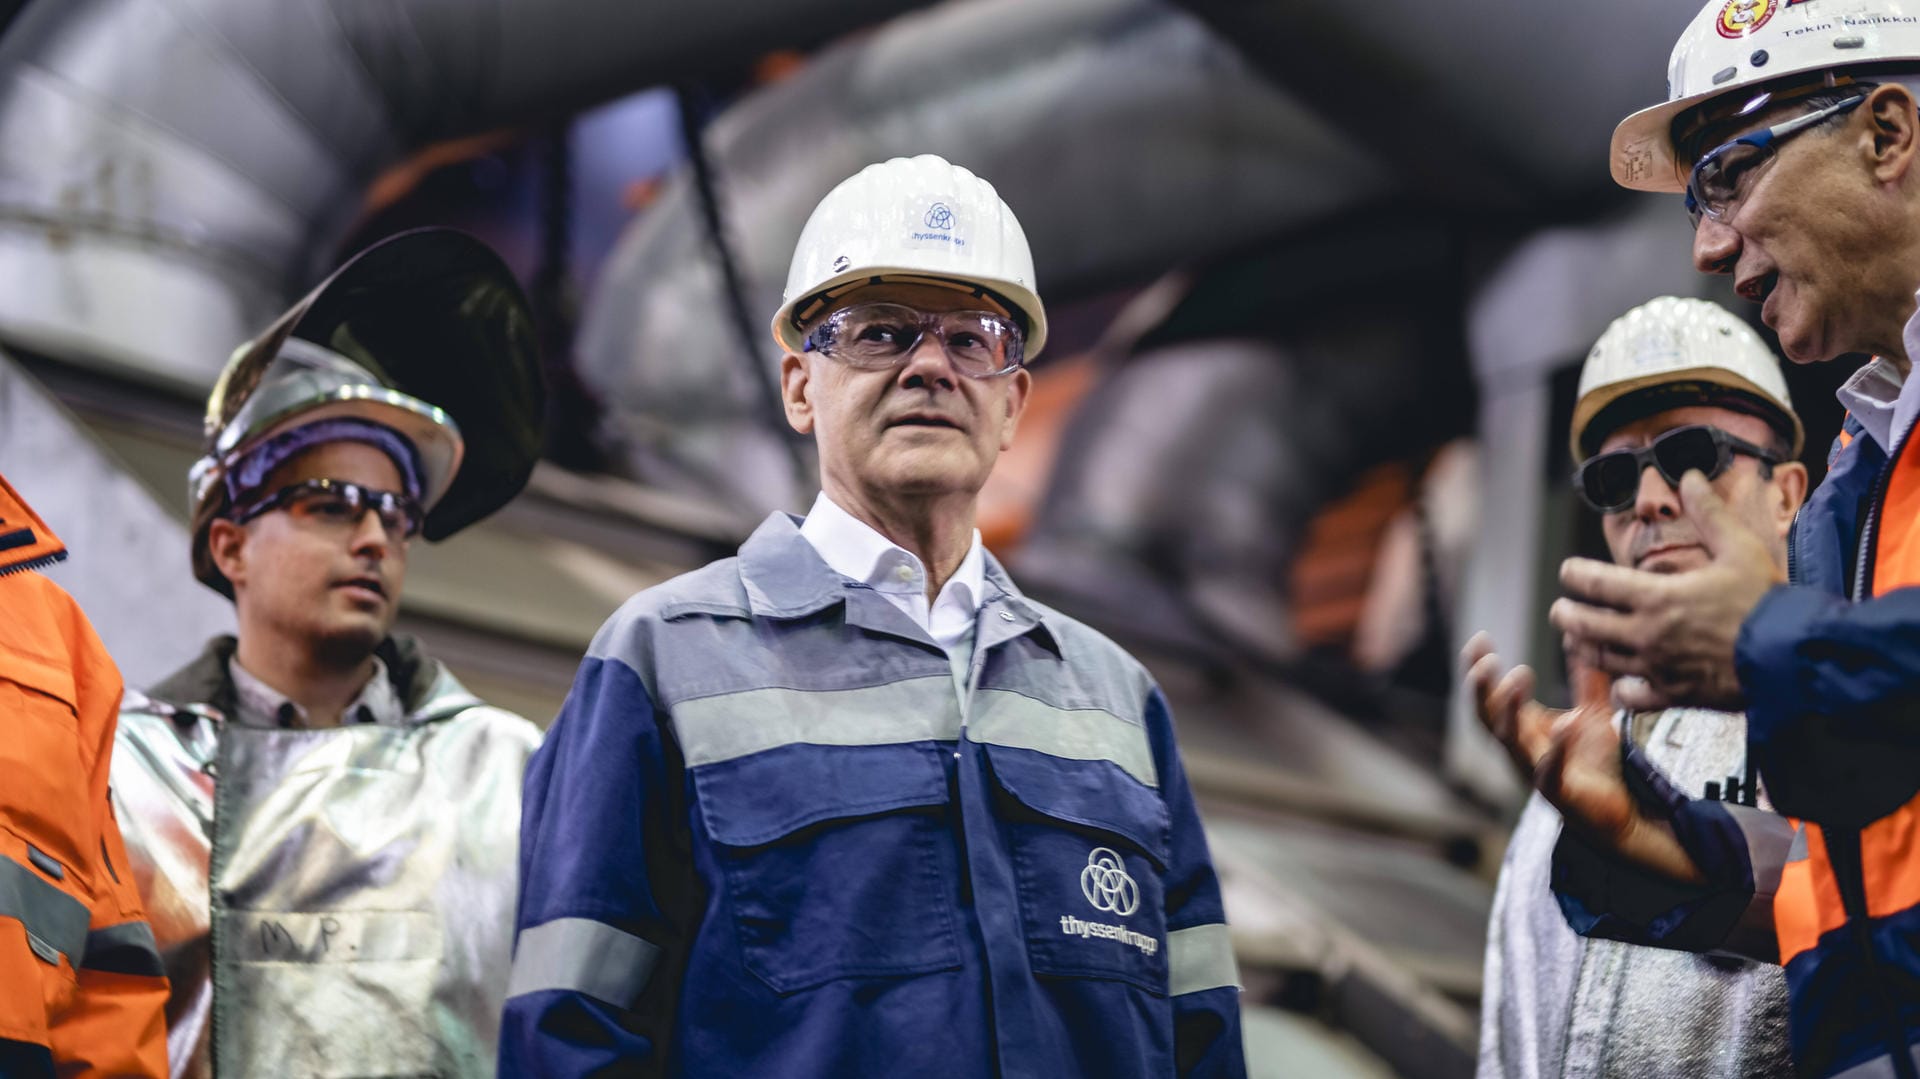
1125,135
1489,105
173,171
1187,478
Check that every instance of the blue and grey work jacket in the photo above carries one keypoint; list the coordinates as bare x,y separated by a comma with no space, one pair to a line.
764,837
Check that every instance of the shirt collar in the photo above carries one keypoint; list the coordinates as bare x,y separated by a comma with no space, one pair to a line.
257,704
1869,396
853,548
1885,402
785,577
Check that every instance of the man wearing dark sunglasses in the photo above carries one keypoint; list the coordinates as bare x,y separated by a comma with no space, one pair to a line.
322,818
1791,129
1672,386
849,804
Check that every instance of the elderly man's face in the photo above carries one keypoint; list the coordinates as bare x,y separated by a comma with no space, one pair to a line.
1808,240
1654,534
919,429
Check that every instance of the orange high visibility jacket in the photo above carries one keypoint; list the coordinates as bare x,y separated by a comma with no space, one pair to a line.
82,991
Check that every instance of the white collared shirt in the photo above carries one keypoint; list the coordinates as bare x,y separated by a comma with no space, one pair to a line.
257,704
1877,395
853,548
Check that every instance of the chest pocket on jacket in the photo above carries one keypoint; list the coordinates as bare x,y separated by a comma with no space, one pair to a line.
1089,847
40,757
42,814
839,862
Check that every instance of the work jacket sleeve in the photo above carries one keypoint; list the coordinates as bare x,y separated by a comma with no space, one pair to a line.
114,1021
1832,688
1741,850
600,942
1201,975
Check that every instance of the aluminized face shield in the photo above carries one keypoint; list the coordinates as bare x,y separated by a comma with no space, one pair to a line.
426,332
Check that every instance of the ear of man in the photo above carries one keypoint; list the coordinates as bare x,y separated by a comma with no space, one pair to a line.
1894,129
226,545
1017,394
795,382
1789,485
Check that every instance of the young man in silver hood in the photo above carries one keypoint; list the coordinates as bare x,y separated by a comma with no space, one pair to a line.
322,820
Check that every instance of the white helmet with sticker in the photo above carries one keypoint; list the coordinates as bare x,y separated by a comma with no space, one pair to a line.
910,217
1736,45
1687,351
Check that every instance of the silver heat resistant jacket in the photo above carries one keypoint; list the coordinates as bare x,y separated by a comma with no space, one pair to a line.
360,916
1560,1006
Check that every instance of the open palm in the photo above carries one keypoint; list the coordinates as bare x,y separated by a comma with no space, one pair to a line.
1572,757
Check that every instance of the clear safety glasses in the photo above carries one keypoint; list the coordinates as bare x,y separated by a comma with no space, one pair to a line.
338,505
1610,482
1723,174
875,336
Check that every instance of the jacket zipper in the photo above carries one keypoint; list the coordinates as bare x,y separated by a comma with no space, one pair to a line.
1863,553
31,564
1869,529
974,663
1793,547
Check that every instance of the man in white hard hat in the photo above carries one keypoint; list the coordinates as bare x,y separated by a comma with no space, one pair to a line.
321,819
1791,129
848,804
1672,385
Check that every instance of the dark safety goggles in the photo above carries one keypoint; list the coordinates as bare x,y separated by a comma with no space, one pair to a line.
876,336
337,504
1610,482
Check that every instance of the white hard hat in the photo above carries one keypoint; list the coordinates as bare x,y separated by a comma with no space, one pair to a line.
1736,45
911,217
1672,352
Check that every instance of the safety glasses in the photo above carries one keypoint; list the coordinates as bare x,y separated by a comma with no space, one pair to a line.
1610,482
339,505
875,336
1723,174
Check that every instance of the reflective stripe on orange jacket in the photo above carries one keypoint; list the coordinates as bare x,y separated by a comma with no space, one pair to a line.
84,993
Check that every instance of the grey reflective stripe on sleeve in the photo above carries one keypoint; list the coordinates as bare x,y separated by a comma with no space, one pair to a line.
1798,852
1771,842
1004,718
1199,959
582,956
51,916
715,729
127,948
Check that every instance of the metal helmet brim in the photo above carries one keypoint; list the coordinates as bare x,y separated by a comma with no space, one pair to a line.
438,318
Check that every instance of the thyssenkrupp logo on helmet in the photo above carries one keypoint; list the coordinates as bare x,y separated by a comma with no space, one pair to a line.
939,216
1107,885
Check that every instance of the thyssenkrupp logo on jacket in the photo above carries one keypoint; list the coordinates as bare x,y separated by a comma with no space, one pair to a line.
1107,885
